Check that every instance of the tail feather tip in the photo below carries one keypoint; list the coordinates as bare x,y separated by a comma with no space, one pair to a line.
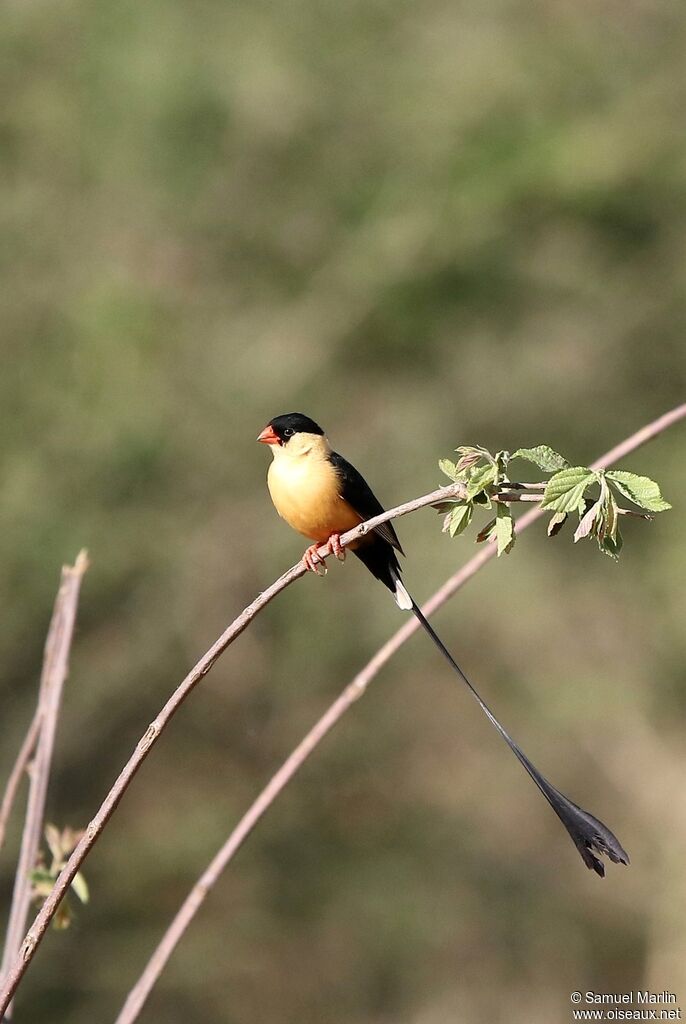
402,597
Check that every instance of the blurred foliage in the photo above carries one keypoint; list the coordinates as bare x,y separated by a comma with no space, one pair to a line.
423,224
61,845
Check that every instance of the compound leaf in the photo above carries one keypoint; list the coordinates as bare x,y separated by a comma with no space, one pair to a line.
565,490
643,491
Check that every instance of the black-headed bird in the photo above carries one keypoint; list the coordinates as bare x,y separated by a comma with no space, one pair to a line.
321,496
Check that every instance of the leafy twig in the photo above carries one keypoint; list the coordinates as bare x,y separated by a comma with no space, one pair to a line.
54,673
141,990
486,480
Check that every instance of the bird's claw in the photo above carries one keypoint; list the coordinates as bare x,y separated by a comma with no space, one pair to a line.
313,561
335,547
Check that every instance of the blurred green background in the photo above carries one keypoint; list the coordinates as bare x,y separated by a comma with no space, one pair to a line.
424,224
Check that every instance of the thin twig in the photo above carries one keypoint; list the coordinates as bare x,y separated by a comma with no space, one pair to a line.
18,769
636,515
53,675
153,732
517,486
196,897
505,496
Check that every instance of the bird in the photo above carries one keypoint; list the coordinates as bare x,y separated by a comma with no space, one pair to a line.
321,495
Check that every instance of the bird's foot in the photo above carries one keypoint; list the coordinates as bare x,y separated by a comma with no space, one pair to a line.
334,546
313,561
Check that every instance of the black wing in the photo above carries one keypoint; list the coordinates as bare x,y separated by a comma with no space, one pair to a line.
359,495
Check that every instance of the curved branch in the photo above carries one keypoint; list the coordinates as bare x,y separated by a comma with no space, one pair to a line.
157,726
37,930
353,691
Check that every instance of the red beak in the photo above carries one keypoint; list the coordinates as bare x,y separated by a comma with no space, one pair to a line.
268,436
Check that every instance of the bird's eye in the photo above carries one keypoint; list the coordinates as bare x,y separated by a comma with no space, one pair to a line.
288,432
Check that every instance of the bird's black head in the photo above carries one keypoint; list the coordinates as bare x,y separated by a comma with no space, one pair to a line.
282,428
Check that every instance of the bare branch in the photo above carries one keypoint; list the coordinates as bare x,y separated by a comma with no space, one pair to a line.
353,691
18,769
35,934
37,930
641,437
53,675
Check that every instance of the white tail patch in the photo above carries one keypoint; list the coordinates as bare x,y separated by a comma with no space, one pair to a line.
402,598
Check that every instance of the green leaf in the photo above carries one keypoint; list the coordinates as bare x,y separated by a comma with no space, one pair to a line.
611,546
565,490
501,461
504,529
543,457
80,887
479,479
458,519
41,876
448,467
556,523
643,491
